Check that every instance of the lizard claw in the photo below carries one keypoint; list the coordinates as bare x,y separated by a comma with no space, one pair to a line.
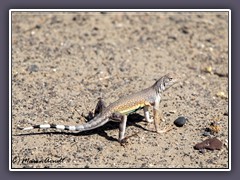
123,142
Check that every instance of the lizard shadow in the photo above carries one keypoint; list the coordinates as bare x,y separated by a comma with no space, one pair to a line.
133,119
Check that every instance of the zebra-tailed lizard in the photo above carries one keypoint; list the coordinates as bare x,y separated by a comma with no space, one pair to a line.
119,110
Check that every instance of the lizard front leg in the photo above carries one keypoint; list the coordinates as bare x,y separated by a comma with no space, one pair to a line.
146,114
158,117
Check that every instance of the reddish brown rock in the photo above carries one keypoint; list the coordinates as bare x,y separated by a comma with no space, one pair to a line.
211,144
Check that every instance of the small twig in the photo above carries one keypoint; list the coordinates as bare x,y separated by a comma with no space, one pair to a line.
77,112
221,74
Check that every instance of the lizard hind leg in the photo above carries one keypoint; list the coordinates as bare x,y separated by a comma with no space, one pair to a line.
101,105
122,128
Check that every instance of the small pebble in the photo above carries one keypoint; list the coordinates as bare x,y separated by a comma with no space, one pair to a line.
32,68
144,165
38,26
202,151
74,18
225,114
100,148
208,69
221,94
206,133
180,121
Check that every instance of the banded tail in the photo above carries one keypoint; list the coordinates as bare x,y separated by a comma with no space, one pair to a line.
93,124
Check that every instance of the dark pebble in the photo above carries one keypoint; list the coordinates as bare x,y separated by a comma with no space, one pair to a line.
184,30
144,165
225,114
74,18
38,26
180,121
125,155
100,148
202,151
32,68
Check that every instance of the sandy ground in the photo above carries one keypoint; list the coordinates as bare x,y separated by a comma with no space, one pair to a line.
62,62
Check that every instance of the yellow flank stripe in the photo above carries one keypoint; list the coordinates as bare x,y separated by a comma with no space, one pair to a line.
126,110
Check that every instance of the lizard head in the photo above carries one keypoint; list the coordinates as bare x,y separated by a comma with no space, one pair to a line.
165,82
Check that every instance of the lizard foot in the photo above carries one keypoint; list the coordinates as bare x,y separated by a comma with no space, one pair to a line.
150,120
123,142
